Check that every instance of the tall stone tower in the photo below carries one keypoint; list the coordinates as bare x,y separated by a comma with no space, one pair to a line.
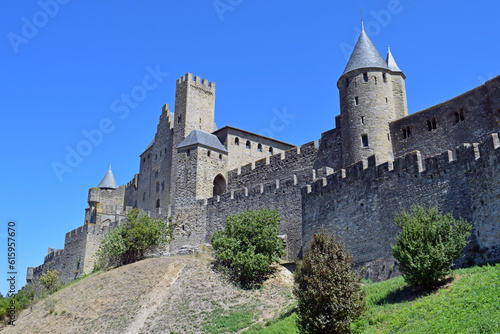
372,94
194,106
198,154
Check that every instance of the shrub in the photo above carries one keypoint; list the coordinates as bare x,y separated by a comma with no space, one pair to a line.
249,245
328,291
50,280
129,242
428,244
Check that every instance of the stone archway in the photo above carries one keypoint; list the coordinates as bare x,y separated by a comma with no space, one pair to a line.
219,185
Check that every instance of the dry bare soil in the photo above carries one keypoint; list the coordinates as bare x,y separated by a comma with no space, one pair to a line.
157,295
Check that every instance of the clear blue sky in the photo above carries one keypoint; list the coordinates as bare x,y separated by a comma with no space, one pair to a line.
66,69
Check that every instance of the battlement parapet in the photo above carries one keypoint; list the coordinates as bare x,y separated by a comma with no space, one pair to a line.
412,165
55,253
188,78
297,160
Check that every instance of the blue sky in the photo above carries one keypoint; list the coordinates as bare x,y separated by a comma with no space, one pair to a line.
67,68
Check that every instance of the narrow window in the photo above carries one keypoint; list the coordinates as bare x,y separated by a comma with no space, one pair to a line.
149,155
384,77
457,117
259,147
347,82
462,117
237,141
270,150
220,156
408,131
179,119
365,77
160,153
156,156
429,125
386,100
208,153
405,135
157,186
144,159
162,185
375,79
157,203
165,150
144,196
362,119
434,123
356,100
364,140
188,153
248,144
388,137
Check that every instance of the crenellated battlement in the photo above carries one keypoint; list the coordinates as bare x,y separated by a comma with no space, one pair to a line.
189,78
412,165
51,255
298,161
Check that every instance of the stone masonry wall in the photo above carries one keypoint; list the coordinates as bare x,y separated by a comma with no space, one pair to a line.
359,204
297,161
480,118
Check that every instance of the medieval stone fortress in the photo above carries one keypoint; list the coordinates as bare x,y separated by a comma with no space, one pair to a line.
377,160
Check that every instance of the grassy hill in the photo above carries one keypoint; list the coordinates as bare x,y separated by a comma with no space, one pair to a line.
468,304
184,295
158,295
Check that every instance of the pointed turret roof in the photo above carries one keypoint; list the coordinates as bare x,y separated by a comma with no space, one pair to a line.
365,55
391,63
199,137
108,181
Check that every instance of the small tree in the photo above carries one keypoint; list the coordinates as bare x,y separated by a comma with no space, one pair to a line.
428,244
50,280
129,242
327,289
249,245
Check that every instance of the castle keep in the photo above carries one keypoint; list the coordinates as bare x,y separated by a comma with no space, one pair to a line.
377,160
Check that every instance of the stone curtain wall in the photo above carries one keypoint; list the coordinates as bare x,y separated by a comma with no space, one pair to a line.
297,161
481,113
281,195
359,204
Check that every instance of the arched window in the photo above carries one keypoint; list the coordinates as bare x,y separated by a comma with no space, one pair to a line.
219,185
248,145
259,147
270,150
237,141
158,203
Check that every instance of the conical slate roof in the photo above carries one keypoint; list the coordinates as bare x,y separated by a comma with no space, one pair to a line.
391,63
108,181
365,55
198,137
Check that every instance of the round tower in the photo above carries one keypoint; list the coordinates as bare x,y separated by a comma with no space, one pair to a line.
372,94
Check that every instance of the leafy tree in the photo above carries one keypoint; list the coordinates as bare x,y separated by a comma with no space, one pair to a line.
249,245
328,291
50,280
130,241
428,244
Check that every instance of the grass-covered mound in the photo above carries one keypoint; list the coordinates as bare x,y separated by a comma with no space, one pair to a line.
470,303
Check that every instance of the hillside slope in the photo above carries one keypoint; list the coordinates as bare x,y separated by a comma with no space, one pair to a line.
158,295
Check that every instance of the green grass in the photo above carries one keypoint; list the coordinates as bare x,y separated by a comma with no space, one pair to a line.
470,304
222,321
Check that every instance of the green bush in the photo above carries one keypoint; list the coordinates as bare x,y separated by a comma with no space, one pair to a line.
428,244
129,242
249,245
327,289
50,280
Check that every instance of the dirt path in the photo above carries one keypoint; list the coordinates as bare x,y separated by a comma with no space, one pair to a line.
151,301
